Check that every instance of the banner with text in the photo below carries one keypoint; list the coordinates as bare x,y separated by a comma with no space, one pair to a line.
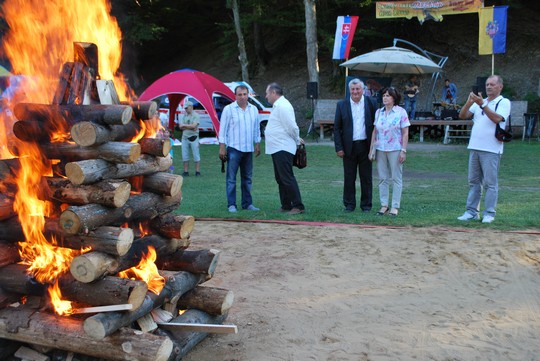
492,30
426,10
346,26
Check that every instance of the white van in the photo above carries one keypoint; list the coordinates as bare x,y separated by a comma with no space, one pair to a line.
205,125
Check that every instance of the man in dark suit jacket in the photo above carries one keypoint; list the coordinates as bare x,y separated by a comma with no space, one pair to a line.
353,126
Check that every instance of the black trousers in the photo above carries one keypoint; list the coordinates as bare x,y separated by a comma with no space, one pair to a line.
358,161
289,193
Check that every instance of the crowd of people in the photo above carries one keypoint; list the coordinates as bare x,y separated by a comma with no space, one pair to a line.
364,134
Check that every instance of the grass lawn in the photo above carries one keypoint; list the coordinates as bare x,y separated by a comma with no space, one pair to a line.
434,192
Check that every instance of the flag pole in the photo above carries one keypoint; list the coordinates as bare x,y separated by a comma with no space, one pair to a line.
492,63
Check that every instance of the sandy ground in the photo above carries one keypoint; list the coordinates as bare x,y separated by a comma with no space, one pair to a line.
358,293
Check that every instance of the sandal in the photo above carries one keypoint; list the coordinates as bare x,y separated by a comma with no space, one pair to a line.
383,211
393,212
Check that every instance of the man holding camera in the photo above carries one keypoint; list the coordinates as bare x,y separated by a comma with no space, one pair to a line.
239,137
485,149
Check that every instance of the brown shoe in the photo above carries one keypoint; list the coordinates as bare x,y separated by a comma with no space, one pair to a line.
296,211
283,210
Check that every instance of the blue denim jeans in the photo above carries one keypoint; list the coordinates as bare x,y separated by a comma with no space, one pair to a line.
244,161
410,106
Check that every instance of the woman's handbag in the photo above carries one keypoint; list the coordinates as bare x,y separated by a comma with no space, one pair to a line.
300,158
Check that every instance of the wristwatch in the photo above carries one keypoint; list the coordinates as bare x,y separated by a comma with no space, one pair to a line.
483,106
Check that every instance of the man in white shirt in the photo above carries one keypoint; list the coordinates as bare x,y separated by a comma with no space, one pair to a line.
485,149
239,137
282,138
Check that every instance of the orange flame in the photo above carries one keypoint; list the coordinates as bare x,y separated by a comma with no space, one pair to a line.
40,40
62,307
147,271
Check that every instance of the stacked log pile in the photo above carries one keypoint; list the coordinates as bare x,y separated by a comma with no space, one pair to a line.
115,199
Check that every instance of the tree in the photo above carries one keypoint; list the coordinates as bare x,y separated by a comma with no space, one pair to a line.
312,47
241,44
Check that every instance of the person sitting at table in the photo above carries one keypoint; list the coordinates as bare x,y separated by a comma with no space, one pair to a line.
449,93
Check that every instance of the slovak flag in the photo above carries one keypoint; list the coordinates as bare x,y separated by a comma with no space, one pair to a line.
346,25
492,30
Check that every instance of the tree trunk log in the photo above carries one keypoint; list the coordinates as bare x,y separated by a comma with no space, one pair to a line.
74,113
201,261
173,225
11,230
110,193
6,207
67,333
104,324
142,110
115,152
140,207
107,291
15,278
94,170
94,265
166,184
155,146
8,167
212,300
9,253
89,133
115,241
184,341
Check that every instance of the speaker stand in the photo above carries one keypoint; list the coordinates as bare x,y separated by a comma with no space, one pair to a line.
312,130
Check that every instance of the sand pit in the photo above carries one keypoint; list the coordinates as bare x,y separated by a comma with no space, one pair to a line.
356,293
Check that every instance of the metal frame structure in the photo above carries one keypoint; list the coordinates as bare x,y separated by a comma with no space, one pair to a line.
436,58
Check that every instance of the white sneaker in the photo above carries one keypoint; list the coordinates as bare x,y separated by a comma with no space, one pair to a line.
251,207
232,209
468,217
488,219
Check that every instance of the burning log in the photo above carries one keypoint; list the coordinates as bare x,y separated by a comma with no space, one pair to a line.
11,229
70,114
111,193
115,241
9,253
8,167
201,261
105,324
6,207
155,146
67,333
74,81
166,184
142,109
140,207
212,300
94,265
107,291
173,225
115,152
184,341
94,170
88,133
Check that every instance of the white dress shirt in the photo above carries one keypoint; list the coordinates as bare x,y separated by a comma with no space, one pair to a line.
359,119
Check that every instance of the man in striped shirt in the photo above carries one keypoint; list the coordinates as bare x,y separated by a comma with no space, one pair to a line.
239,137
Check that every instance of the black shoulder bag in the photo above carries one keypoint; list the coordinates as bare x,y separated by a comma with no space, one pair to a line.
501,134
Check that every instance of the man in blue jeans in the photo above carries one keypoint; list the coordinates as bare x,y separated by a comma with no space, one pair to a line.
239,137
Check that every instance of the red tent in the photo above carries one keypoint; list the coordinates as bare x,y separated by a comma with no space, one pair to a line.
199,85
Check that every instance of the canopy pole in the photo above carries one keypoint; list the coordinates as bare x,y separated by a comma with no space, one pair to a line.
492,64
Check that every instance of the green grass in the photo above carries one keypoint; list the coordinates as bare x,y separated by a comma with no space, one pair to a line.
434,192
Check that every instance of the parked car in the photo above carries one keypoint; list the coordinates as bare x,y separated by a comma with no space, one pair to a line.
205,125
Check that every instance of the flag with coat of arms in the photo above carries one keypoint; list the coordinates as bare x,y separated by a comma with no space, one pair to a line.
346,26
492,30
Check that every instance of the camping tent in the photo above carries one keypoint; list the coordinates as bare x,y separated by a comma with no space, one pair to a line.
178,84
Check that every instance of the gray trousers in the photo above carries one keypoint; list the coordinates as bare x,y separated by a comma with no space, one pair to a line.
483,175
390,170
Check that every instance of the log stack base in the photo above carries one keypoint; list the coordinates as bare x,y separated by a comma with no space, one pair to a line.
114,203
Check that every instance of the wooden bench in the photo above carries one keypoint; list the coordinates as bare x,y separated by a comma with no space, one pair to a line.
329,124
449,131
